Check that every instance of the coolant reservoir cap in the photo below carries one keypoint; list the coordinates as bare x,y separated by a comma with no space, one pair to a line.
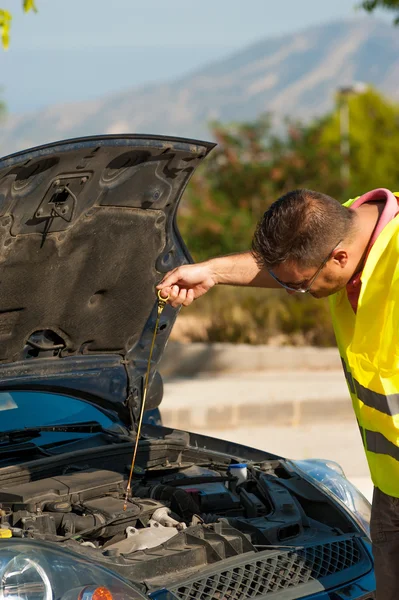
239,471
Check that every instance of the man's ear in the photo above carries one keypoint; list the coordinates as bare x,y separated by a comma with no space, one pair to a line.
341,257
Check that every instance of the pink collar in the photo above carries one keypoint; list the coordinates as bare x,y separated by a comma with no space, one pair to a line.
390,210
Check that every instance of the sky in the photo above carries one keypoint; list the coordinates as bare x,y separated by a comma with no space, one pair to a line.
75,50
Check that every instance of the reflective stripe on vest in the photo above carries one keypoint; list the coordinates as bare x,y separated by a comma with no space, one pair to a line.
377,443
368,343
389,405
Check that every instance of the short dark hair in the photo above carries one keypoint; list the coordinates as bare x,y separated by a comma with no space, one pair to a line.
302,226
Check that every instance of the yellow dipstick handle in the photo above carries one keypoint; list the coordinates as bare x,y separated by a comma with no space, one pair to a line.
161,298
161,305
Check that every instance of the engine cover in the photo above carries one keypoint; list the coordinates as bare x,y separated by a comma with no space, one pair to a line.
74,487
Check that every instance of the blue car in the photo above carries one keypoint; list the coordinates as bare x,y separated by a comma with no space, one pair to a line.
87,229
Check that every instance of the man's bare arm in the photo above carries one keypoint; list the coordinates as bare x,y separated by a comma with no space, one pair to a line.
188,282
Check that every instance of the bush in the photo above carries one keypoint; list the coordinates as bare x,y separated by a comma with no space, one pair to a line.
256,316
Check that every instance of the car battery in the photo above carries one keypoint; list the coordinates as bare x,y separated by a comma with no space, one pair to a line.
213,497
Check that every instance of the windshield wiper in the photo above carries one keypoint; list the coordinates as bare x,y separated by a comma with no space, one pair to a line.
29,433
12,450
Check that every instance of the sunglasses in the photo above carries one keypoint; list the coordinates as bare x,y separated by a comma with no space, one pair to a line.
300,289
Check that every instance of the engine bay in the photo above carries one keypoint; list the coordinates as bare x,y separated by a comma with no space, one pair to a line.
182,515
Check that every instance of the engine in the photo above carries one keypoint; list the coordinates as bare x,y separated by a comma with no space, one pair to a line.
199,512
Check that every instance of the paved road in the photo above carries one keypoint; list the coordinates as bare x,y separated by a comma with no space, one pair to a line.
320,424
267,386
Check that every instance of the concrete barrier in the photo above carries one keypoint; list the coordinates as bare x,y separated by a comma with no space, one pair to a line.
187,360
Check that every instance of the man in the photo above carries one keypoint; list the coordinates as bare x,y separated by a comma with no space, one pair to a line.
307,242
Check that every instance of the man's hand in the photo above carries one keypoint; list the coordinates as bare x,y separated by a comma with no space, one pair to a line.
186,283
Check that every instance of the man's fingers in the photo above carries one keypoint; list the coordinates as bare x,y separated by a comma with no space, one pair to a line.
180,298
189,298
169,279
182,295
177,295
173,293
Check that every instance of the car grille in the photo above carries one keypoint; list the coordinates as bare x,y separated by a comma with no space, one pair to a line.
273,573
330,558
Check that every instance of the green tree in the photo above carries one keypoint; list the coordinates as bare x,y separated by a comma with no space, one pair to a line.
371,5
6,18
248,170
374,139
226,196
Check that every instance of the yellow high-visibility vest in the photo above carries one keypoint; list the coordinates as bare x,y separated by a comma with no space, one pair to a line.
368,342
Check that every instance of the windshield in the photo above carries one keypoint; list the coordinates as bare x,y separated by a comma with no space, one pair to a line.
19,409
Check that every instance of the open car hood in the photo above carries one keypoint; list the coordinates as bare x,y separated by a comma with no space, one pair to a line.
87,230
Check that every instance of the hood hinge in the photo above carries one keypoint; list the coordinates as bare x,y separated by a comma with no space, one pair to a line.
132,401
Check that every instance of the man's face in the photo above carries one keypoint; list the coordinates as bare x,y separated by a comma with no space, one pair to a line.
324,280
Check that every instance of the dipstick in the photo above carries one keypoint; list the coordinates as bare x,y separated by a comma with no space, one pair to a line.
161,305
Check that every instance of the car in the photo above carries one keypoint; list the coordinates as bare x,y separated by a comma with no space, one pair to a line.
87,229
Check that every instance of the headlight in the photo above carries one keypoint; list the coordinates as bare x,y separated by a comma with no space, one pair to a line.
23,578
331,479
42,571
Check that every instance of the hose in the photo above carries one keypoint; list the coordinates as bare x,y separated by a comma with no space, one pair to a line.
180,501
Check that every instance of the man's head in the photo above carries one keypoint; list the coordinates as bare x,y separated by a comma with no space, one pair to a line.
305,239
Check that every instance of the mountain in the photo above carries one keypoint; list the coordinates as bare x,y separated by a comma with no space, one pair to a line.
294,75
